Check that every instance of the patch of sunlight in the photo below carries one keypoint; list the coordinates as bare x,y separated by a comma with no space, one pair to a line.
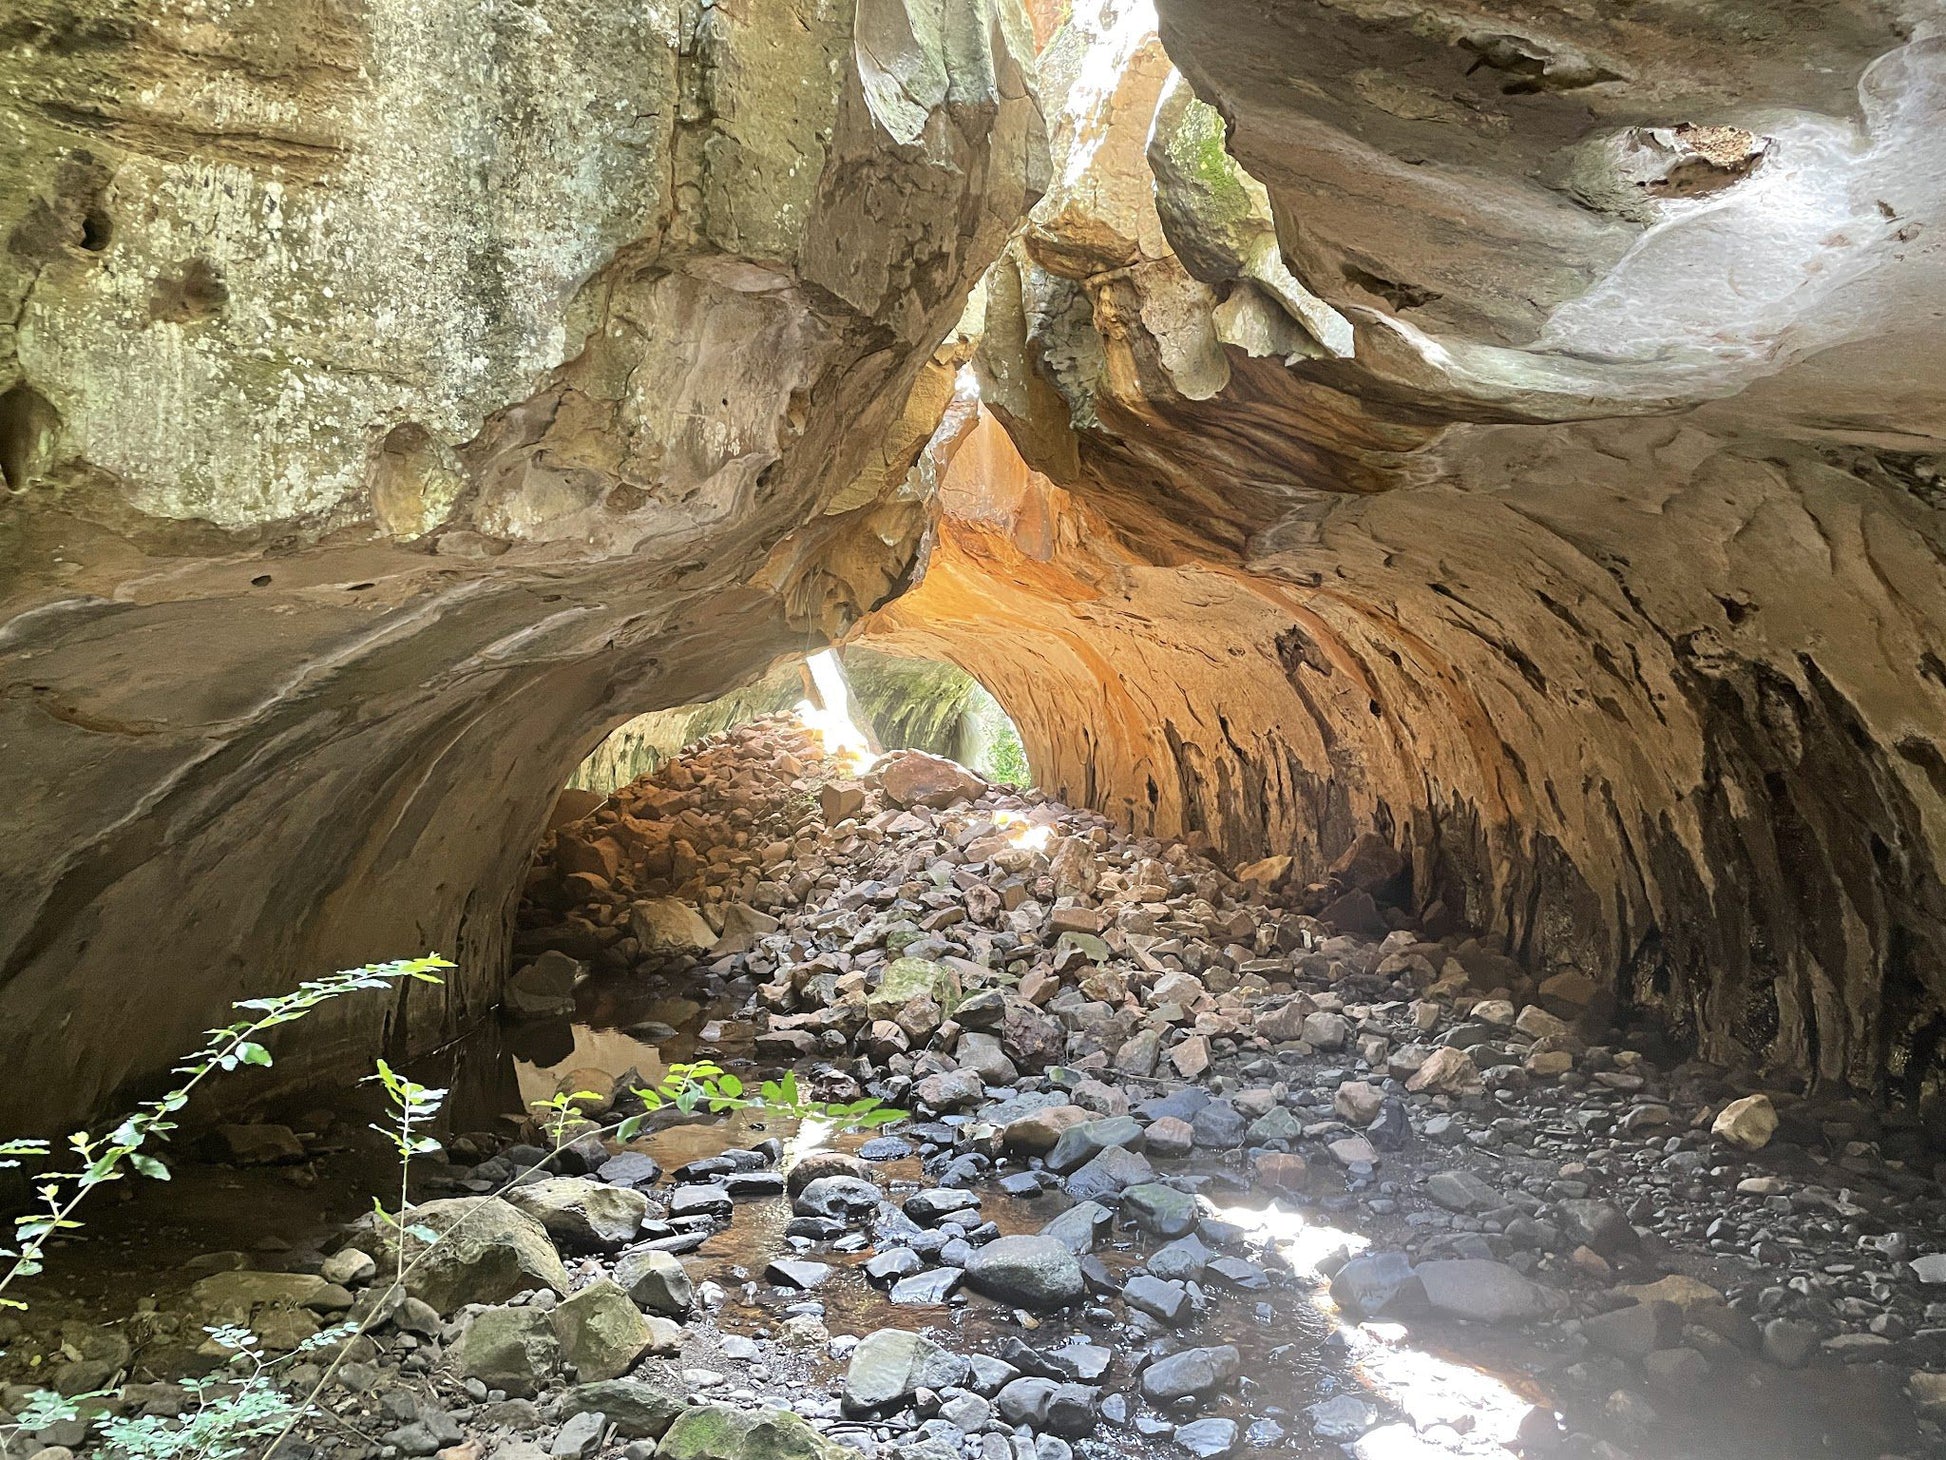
832,721
811,1135
1454,1408
1115,30
1023,832
1303,1243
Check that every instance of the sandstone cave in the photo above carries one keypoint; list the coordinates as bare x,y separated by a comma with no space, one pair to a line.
1127,727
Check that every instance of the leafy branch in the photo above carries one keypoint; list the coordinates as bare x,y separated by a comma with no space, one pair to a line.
102,1159
686,1087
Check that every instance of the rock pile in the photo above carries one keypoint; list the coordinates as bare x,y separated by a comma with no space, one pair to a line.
1117,1056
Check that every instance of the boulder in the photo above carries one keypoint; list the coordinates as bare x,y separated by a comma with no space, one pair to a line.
1191,1374
1483,1290
891,1364
582,1214
1081,1143
489,1251
718,1432
514,1349
601,1332
1748,1124
543,989
1447,1071
640,1408
1027,1272
656,1281
905,979
669,925
914,778
1358,1102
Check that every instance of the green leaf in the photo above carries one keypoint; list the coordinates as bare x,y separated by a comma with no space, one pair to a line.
730,1085
789,1095
149,1167
252,1054
629,1129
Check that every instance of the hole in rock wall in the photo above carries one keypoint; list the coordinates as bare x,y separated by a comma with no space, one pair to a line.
900,703
28,425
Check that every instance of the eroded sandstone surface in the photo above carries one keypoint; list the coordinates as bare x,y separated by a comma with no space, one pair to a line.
395,397
1512,433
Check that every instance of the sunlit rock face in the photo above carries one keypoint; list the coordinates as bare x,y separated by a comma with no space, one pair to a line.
395,396
1558,492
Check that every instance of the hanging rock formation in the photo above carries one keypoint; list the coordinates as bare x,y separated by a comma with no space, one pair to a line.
1519,438
395,397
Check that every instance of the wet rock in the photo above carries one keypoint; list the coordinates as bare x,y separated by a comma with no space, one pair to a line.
893,1264
630,1168
1636,1331
1109,1174
803,1276
543,989
1027,1272
1192,1374
924,1289
1208,1439
818,1164
581,1214
1342,1417
1080,1227
1788,1343
930,1208
1184,1258
1081,1143
889,1366
1169,1139
1161,1211
842,1198
1219,1125
1167,1301
1374,1284
1048,1404
701,1201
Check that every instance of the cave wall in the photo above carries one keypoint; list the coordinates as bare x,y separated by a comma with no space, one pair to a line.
1516,433
394,398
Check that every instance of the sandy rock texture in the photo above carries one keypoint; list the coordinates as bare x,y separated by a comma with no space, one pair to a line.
393,397
1515,434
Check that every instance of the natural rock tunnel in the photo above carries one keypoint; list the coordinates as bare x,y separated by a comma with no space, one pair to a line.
1513,433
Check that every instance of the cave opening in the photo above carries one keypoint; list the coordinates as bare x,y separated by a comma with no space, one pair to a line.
1361,873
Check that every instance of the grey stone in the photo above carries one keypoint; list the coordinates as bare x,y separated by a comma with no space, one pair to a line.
1190,1374
1027,1271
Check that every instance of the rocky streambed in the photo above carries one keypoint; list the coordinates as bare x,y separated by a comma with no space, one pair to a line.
1195,1166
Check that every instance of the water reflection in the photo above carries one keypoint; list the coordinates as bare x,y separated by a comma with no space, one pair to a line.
1450,1408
